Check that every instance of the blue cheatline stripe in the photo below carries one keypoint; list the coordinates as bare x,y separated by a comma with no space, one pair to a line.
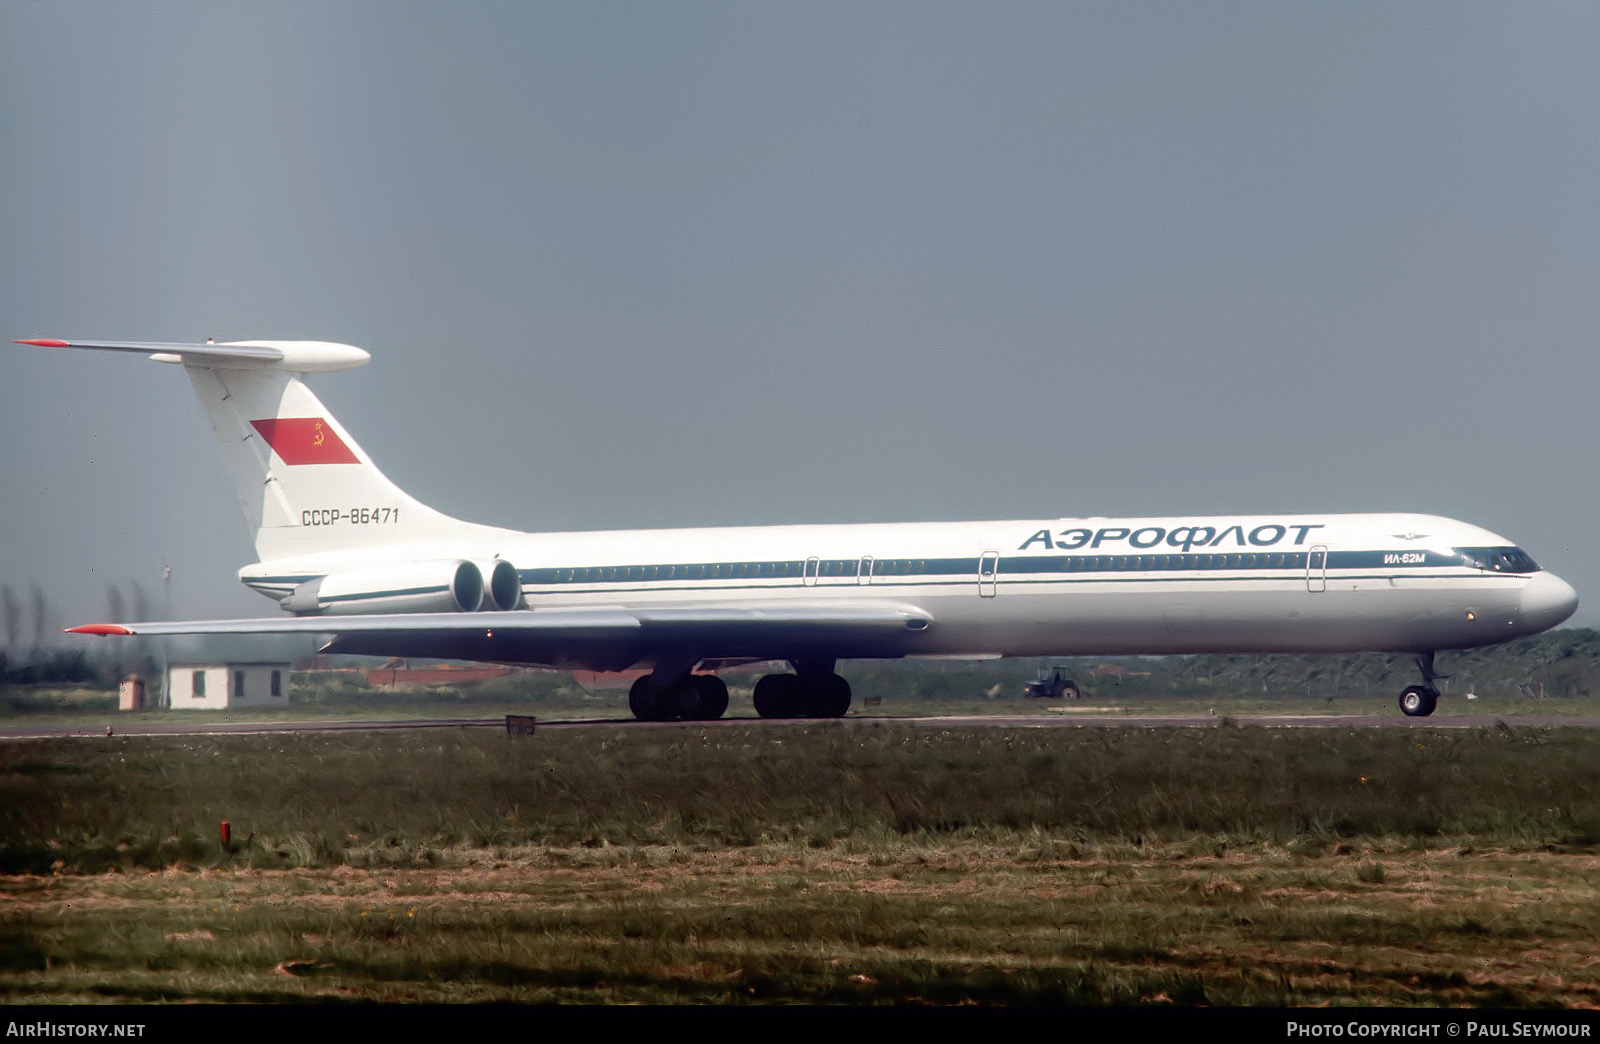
1009,581
1053,568
829,570
890,571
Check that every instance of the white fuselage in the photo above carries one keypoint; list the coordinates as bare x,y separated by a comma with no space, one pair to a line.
1061,587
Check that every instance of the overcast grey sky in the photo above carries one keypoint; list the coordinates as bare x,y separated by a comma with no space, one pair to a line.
639,264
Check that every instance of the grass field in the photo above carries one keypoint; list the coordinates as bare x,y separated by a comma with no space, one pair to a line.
931,921
315,697
847,862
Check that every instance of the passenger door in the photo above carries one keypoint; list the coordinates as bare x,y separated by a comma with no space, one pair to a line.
988,574
1317,568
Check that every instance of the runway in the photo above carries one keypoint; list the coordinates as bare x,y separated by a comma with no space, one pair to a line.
145,727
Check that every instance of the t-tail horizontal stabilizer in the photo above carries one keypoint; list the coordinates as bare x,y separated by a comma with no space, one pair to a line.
289,356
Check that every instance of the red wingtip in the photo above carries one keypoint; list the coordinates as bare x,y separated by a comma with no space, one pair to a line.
98,629
45,343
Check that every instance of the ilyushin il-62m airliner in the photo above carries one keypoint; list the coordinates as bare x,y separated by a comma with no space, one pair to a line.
350,556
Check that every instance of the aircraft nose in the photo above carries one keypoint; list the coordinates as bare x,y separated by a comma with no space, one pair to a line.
1547,600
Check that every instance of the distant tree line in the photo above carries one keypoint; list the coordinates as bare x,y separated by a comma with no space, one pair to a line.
1562,663
33,651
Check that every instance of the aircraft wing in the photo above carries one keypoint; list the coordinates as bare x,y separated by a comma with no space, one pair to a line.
603,620
597,621
598,638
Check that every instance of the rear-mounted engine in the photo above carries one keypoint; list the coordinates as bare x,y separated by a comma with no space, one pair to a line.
503,589
414,587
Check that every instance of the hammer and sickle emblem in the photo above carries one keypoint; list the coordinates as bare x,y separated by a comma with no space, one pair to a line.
316,440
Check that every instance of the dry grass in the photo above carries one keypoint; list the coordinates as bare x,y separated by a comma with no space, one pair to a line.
841,863
1035,921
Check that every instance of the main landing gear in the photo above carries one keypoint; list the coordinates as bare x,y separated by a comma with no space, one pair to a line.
1419,701
692,697
813,691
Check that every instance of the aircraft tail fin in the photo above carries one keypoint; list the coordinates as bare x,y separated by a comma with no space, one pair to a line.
303,482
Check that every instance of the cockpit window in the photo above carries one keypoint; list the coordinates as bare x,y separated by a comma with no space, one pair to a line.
1498,559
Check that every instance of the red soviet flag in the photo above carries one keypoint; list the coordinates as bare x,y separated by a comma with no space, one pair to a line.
305,440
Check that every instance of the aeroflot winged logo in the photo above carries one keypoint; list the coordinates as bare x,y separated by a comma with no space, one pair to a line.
304,440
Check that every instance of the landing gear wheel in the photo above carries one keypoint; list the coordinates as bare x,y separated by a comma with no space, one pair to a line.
1418,701
648,703
702,697
827,696
777,696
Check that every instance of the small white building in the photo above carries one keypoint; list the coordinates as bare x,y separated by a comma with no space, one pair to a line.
216,686
131,694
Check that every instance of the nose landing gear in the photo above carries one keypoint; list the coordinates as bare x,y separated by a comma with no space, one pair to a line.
1419,701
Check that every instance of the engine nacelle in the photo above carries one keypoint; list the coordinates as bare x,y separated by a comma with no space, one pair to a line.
502,587
411,587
